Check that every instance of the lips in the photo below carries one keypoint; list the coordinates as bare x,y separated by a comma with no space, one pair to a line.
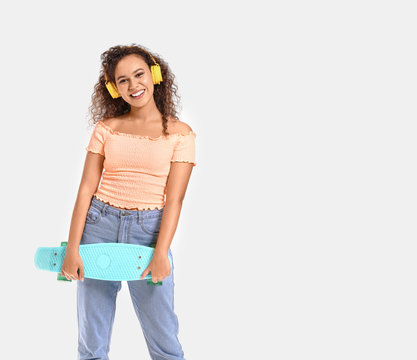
138,94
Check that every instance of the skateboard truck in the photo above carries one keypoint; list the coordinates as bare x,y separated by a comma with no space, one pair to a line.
63,278
59,276
150,282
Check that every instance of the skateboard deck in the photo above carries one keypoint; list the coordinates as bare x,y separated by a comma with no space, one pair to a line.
102,261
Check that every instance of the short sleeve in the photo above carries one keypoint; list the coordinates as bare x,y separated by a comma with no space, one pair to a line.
184,148
96,144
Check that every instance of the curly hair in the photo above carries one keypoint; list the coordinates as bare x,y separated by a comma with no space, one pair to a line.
103,106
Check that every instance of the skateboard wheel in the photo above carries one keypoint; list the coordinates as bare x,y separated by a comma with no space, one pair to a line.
150,282
62,278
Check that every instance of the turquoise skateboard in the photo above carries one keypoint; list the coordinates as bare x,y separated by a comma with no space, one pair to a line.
102,261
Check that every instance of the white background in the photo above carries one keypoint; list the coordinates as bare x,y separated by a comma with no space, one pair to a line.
297,235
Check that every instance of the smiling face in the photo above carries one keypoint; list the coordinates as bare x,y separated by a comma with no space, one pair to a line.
133,77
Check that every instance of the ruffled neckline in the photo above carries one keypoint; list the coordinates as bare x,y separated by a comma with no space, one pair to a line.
115,132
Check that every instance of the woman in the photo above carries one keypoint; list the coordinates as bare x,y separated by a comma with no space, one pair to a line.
148,155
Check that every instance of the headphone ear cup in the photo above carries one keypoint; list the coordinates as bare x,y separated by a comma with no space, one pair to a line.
112,90
156,74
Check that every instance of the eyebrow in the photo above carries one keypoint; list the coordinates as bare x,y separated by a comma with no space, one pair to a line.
122,76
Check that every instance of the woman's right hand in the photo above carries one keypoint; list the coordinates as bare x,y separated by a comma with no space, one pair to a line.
73,263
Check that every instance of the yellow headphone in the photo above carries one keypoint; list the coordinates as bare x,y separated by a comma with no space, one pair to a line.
156,77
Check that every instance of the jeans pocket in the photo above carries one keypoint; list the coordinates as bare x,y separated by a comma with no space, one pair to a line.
93,216
151,225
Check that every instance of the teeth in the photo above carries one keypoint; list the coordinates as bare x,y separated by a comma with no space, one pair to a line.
138,93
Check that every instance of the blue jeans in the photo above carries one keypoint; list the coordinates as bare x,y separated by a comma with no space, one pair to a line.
96,299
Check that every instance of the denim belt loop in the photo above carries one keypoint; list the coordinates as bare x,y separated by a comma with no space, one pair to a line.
103,210
138,216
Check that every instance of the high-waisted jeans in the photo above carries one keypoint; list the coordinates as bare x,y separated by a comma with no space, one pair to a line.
96,299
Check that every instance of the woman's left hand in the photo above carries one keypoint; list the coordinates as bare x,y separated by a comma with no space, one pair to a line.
159,266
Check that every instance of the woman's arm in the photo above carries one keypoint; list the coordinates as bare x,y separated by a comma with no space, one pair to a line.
93,168
176,187
73,267
177,183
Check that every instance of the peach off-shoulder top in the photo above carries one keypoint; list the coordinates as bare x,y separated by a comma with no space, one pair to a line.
136,167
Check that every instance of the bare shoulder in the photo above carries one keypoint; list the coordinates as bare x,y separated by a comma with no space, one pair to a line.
109,121
174,125
178,126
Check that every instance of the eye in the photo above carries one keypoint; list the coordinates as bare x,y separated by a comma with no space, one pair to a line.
140,74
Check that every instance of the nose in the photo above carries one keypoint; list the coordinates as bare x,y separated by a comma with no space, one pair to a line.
133,84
